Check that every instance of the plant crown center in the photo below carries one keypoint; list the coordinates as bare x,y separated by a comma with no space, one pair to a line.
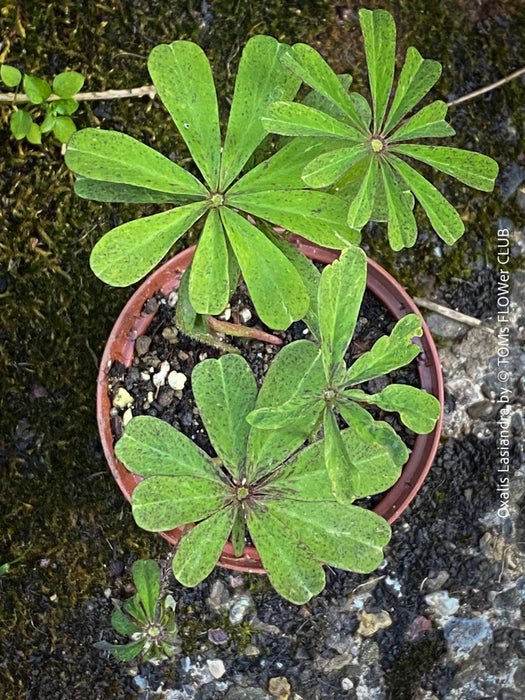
242,493
377,144
216,199
154,631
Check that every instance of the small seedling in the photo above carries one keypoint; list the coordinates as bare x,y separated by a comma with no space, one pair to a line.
148,617
5,568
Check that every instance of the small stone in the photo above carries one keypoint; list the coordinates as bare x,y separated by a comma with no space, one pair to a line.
183,356
226,314
240,607
173,299
436,583
279,687
252,650
145,376
142,344
150,307
219,598
128,415
417,627
217,636
171,334
203,356
177,380
346,684
442,605
370,623
122,398
141,682
217,668
465,637
159,379
336,663
166,396
245,315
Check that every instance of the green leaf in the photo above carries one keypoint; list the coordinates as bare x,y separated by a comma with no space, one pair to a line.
295,119
34,136
263,267
146,577
209,281
68,84
131,250
10,75
341,291
64,128
329,167
134,608
117,192
151,447
238,535
379,33
164,502
418,410
225,391
310,276
444,218
116,157
296,368
318,216
67,106
122,623
183,78
292,568
284,169
36,89
361,208
309,65
402,227
48,123
388,353
261,80
20,123
199,549
324,104
296,409
344,536
418,75
342,472
372,433
428,122
474,169
122,652
303,477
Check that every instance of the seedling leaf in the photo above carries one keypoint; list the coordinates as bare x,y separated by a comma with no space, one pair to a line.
68,84
146,577
379,33
209,280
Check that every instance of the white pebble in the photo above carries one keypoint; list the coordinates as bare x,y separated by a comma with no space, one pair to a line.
173,299
216,667
122,398
128,415
145,376
226,314
159,379
177,380
245,315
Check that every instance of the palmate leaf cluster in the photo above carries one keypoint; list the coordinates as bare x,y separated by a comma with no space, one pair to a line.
366,163
148,617
114,167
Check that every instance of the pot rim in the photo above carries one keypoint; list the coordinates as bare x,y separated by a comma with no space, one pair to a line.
131,324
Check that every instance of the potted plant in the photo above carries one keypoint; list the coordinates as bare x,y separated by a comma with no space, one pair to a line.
291,486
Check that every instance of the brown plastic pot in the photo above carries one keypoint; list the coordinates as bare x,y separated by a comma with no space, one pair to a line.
132,323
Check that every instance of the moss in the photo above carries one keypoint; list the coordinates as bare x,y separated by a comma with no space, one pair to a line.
415,662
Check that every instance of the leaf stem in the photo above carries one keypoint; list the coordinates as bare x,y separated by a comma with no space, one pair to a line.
236,329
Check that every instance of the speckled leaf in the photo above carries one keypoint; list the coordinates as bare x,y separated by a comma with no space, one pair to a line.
361,207
292,568
209,281
324,104
297,409
388,352
295,119
122,652
114,157
284,169
122,623
146,577
152,447
372,432
329,167
309,65
340,294
225,391
238,535
261,80
342,472
296,368
418,410
379,33
199,549
264,266
418,75
318,216
134,608
474,169
428,122
344,536
183,78
402,227
130,251
118,192
163,502
444,218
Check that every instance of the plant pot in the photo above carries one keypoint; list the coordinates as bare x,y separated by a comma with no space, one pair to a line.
131,324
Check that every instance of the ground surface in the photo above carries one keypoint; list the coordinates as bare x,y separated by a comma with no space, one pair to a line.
444,610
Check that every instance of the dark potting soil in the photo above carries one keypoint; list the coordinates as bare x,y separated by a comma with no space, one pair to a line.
164,343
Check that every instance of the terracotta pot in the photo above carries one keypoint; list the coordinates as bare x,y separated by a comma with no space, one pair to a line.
131,324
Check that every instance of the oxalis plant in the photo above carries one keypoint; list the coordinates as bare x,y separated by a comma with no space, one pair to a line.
112,166
366,161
